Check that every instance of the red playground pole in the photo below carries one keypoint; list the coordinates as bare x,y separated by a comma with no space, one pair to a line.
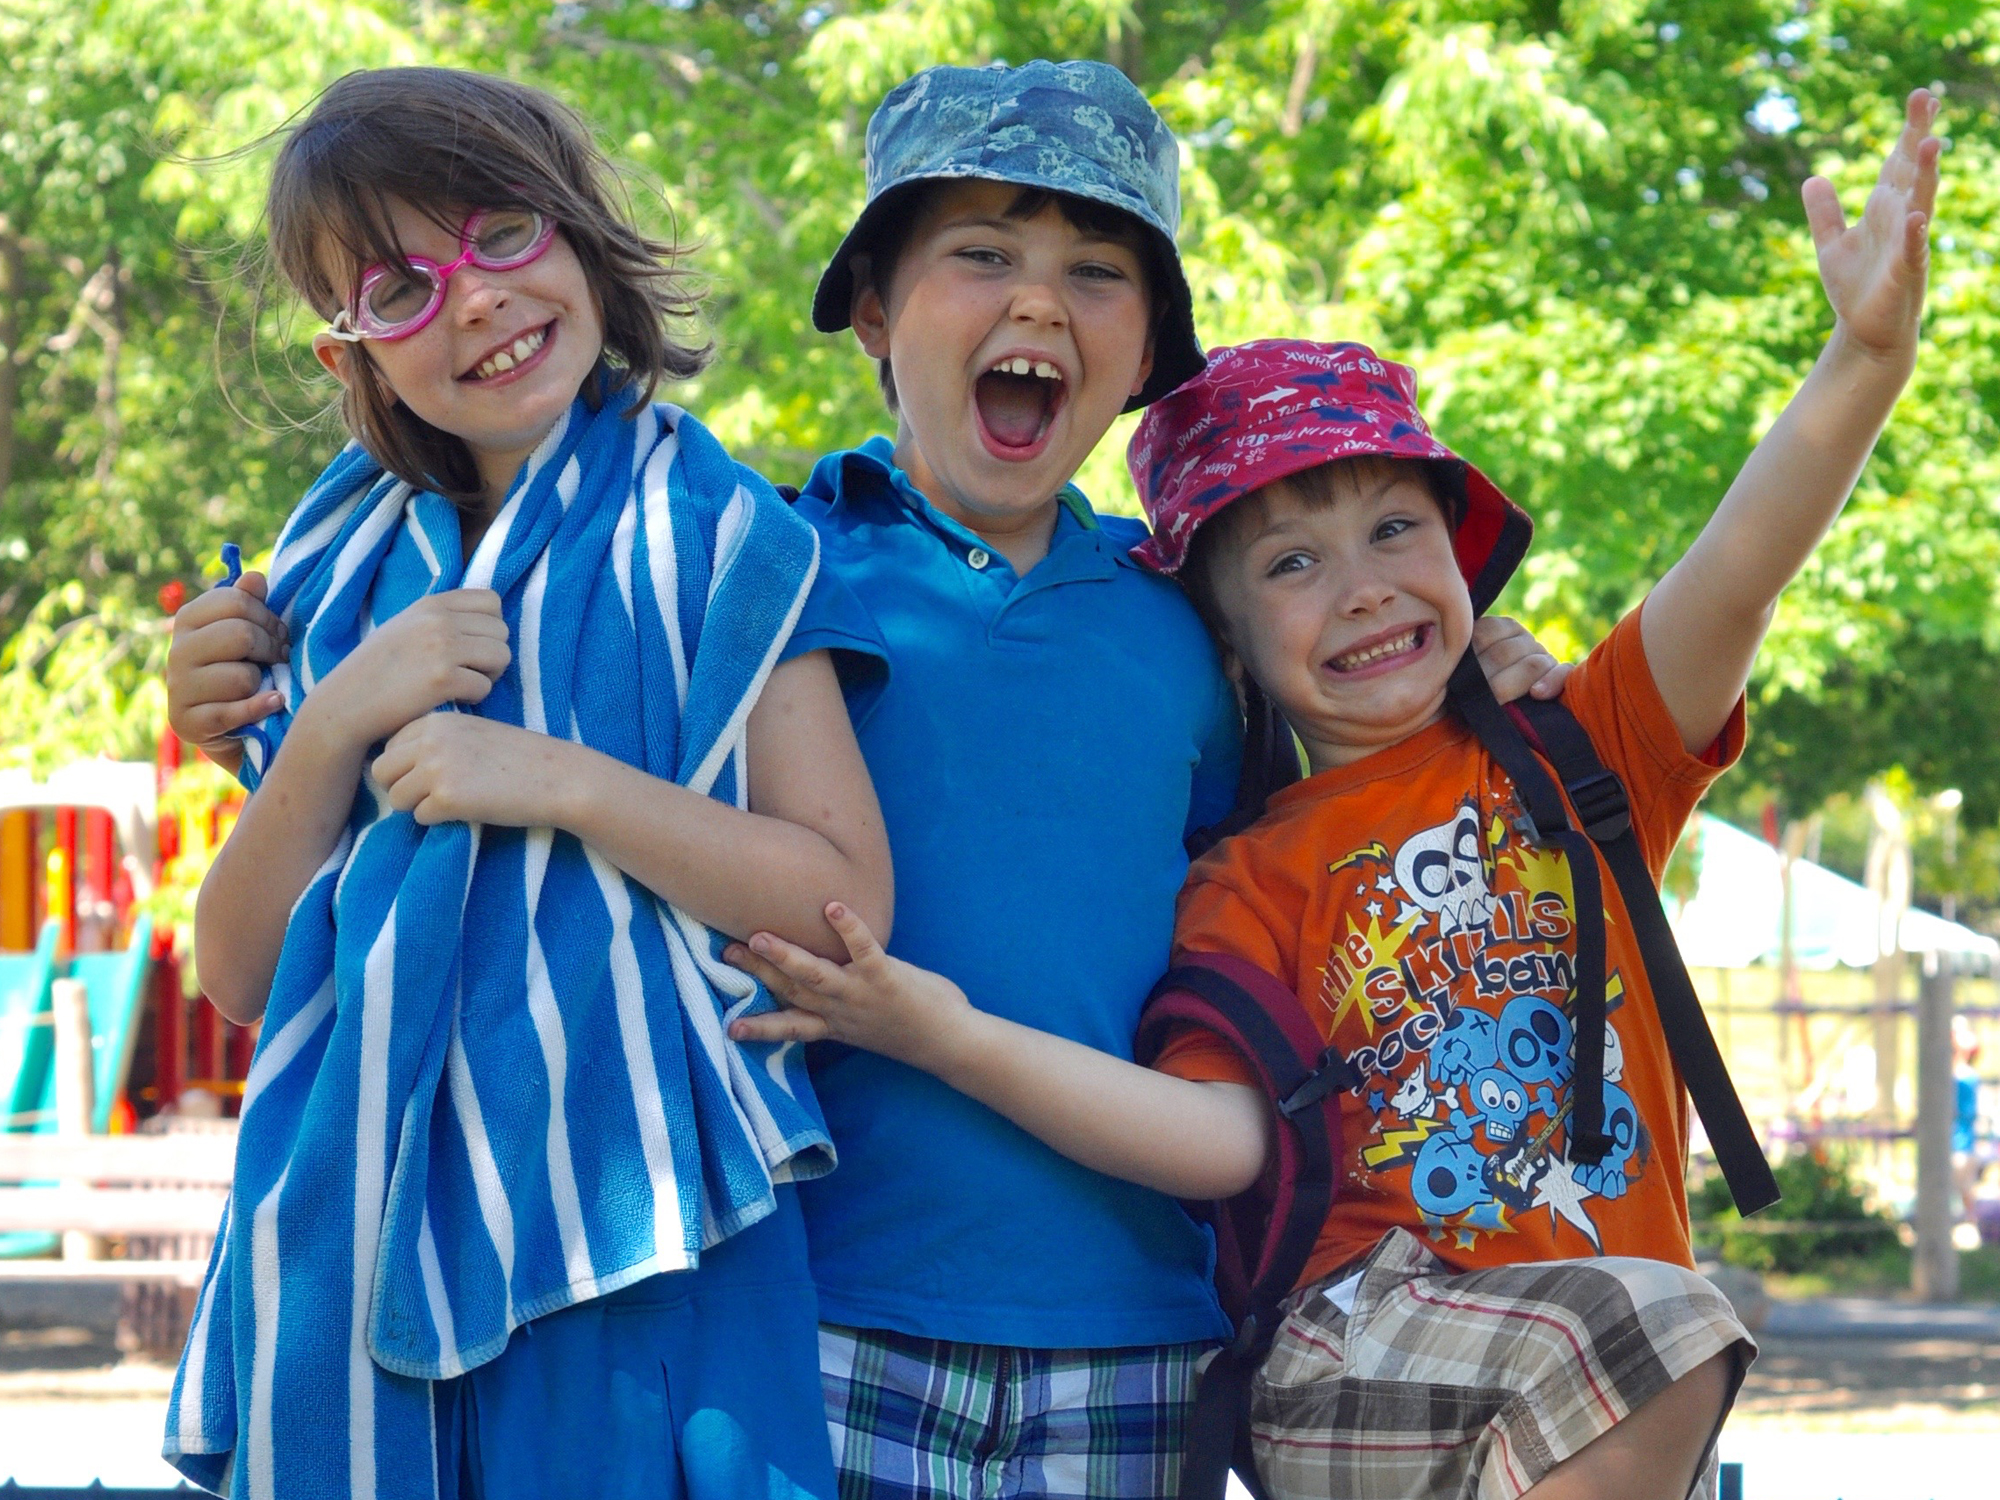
62,878
169,1005
100,875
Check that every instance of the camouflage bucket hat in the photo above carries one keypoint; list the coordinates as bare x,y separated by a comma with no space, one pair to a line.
1079,128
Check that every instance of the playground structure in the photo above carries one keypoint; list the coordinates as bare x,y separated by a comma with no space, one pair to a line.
80,854
115,1081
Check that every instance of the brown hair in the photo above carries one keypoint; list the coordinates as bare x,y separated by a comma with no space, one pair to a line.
446,141
1317,487
1085,215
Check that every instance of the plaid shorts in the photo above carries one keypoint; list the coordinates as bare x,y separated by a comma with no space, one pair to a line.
1474,1384
915,1418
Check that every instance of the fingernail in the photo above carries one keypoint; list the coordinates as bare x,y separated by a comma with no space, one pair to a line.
836,911
761,944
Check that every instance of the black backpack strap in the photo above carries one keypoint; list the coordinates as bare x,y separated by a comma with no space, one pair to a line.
1548,823
1599,799
1303,1078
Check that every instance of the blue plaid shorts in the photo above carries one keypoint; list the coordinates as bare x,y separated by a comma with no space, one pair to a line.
927,1419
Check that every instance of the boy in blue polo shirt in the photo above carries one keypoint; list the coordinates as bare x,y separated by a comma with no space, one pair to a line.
1045,721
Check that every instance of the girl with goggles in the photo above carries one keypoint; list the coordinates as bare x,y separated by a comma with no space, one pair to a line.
519,1220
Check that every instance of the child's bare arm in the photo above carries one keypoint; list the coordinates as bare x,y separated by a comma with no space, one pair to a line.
1704,622
1191,1140
447,648
813,833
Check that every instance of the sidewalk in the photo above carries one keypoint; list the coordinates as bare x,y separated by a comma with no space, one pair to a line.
1854,1398
1850,1399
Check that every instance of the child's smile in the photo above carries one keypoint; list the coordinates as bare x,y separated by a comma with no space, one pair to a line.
1387,651
1014,343
510,362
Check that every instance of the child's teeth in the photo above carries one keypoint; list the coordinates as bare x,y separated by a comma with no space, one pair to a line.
1376,653
1019,366
1044,369
503,361
523,347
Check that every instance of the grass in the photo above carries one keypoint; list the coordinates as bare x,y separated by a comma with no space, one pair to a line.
1886,1273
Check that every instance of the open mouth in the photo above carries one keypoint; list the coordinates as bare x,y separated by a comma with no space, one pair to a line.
1388,651
506,360
1017,402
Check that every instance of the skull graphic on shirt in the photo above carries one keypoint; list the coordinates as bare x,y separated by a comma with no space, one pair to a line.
1443,871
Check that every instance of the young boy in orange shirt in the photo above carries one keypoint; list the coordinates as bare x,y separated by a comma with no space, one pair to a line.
1489,1311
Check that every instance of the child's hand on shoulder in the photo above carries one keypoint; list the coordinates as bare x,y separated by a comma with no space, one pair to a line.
445,648
223,640
1874,270
1515,663
875,1002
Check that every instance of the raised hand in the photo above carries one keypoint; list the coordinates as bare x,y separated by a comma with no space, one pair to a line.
223,640
1874,269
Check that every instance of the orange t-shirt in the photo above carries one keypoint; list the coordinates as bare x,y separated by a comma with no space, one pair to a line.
1434,946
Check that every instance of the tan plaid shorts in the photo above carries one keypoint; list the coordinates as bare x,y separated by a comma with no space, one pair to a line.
1474,1384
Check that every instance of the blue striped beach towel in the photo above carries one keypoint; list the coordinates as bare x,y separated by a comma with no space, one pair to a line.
494,1078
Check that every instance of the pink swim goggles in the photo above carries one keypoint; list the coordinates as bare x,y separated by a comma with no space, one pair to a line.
396,304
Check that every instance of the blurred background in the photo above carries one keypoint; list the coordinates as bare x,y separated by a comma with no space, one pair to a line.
1578,219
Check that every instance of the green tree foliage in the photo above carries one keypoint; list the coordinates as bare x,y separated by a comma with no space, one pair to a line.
1827,1217
1578,218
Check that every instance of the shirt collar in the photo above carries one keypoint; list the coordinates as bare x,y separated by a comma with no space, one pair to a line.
852,476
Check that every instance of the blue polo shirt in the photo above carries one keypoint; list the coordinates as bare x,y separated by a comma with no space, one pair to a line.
1041,745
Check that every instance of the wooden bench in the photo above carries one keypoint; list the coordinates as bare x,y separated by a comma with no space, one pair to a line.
171,1186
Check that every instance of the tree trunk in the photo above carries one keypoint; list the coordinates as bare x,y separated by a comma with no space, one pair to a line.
1123,33
111,308
1302,78
13,272
1888,876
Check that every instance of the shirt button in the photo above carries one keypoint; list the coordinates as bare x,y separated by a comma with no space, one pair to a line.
979,557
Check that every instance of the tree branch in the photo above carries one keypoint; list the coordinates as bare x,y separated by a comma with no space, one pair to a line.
1294,118
13,270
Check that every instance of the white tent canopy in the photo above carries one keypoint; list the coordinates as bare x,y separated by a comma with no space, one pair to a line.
1735,915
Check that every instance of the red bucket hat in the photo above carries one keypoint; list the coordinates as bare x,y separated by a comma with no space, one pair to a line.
1260,411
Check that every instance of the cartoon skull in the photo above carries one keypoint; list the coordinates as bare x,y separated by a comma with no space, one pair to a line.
1621,1122
1442,871
1535,1041
1501,1101
1470,1041
1614,1055
1449,1176
1411,1094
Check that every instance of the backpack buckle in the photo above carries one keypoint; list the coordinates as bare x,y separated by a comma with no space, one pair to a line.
1601,806
1246,1337
1333,1073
